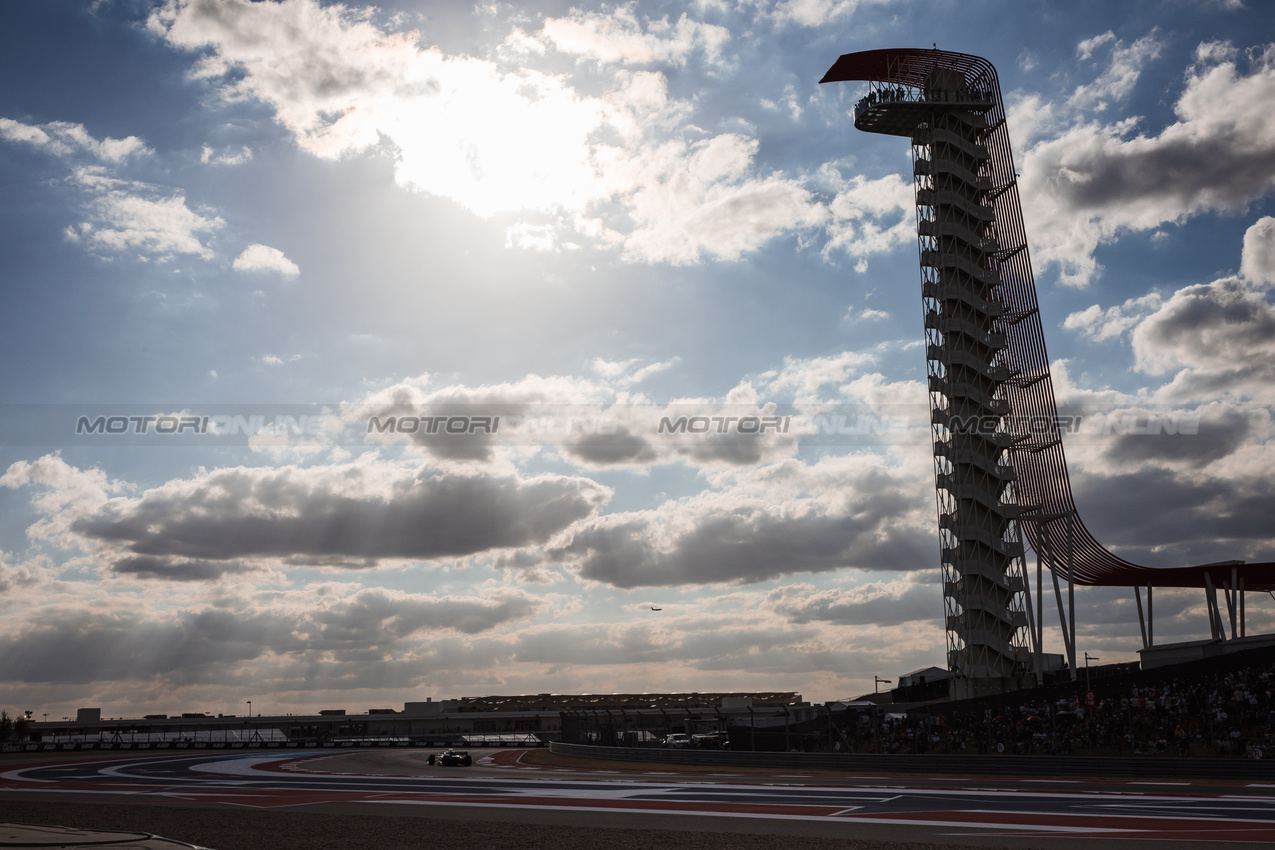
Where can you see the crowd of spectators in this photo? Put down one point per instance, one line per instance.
(1216, 714)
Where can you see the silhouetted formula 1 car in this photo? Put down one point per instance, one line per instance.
(451, 758)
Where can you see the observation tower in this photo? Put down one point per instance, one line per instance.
(999, 470)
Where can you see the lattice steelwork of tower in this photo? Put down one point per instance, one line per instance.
(1000, 471)
(946, 117)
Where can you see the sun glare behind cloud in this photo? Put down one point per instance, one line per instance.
(472, 141)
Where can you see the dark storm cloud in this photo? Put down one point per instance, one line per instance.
(325, 516)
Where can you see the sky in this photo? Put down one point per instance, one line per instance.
(237, 238)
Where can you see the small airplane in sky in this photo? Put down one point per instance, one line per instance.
(653, 608)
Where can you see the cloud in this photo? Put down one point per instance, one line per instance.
(377, 616)
(1211, 347)
(593, 423)
(773, 521)
(1219, 325)
(716, 645)
(276, 360)
(702, 199)
(623, 373)
(1085, 49)
(814, 13)
(17, 576)
(462, 128)
(1170, 517)
(1257, 263)
(66, 492)
(618, 168)
(1220, 337)
(869, 216)
(179, 569)
(259, 257)
(790, 102)
(1092, 182)
(883, 603)
(124, 215)
(1099, 324)
(1121, 75)
(531, 237)
(128, 215)
(804, 378)
(346, 516)
(65, 139)
(318, 629)
(93, 646)
(1220, 431)
(619, 447)
(1030, 117)
(617, 37)
(1217, 339)
(513, 403)
(210, 157)
(698, 432)
(867, 314)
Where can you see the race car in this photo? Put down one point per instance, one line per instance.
(451, 758)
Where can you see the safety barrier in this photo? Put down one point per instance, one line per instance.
(361, 743)
(1139, 767)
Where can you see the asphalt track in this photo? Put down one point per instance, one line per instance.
(968, 811)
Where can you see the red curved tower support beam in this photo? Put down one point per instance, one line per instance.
(1044, 488)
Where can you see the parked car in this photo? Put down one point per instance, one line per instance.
(677, 741)
(451, 758)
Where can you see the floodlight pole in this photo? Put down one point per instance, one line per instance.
(876, 711)
(1089, 658)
